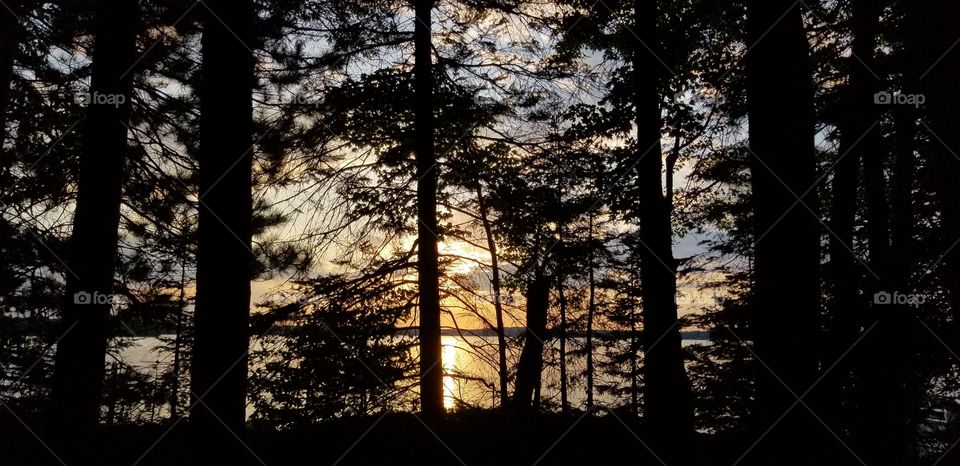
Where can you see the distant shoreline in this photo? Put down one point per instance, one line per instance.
(518, 331)
(510, 332)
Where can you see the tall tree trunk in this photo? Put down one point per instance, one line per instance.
(904, 159)
(883, 426)
(865, 84)
(847, 309)
(938, 20)
(901, 329)
(787, 257)
(940, 72)
(859, 142)
(667, 396)
(79, 363)
(428, 280)
(224, 258)
(531, 358)
(502, 369)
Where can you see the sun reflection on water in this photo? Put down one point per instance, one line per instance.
(449, 361)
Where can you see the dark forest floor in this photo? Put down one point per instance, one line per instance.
(482, 438)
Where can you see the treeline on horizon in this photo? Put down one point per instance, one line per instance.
(486, 164)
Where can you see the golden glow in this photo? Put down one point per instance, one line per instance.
(465, 256)
(449, 363)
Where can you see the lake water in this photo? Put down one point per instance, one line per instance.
(470, 369)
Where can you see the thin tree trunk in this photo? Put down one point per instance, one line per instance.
(904, 170)
(901, 195)
(865, 84)
(502, 369)
(847, 312)
(671, 164)
(561, 283)
(224, 258)
(111, 399)
(177, 340)
(902, 328)
(667, 396)
(564, 402)
(634, 369)
(431, 366)
(591, 312)
(531, 358)
(787, 258)
(79, 364)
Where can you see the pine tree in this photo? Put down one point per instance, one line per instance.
(786, 289)
(79, 370)
(224, 258)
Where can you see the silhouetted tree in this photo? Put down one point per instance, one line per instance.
(224, 258)
(847, 309)
(569, 154)
(883, 426)
(591, 312)
(939, 71)
(530, 366)
(79, 369)
(941, 68)
(496, 286)
(667, 404)
(787, 238)
(428, 281)
(337, 353)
